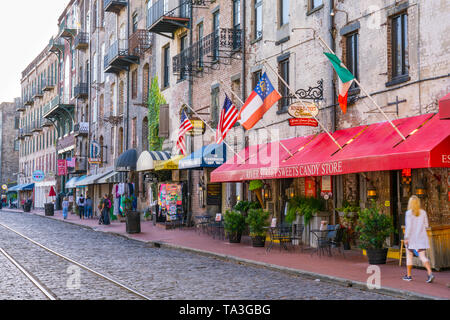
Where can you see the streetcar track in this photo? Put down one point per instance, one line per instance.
(40, 286)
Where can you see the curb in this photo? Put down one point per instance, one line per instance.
(311, 275)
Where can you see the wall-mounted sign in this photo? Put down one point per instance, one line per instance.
(38, 175)
(310, 187)
(199, 128)
(4, 187)
(94, 153)
(214, 194)
(295, 122)
(298, 110)
(325, 184)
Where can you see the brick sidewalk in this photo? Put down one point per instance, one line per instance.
(351, 269)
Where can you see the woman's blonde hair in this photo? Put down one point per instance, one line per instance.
(414, 205)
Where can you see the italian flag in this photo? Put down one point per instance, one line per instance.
(346, 80)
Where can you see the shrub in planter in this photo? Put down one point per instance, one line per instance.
(303, 206)
(348, 214)
(245, 206)
(234, 224)
(374, 227)
(257, 220)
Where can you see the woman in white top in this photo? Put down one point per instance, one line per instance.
(416, 238)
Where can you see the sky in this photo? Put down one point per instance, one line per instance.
(26, 27)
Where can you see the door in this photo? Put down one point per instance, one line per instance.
(396, 207)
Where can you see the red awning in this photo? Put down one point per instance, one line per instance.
(374, 147)
(444, 107)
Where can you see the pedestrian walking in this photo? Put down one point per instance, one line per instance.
(81, 204)
(106, 205)
(416, 238)
(88, 209)
(65, 207)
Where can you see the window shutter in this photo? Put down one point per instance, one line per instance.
(164, 121)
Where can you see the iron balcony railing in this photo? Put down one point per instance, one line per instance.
(81, 90)
(56, 45)
(48, 84)
(28, 100)
(36, 125)
(140, 42)
(82, 41)
(114, 5)
(117, 49)
(19, 105)
(209, 49)
(161, 9)
(81, 128)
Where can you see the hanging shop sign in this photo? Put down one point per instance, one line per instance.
(326, 187)
(199, 128)
(38, 175)
(213, 194)
(94, 153)
(295, 122)
(62, 167)
(303, 110)
(4, 187)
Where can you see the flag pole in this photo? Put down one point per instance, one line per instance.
(304, 106)
(367, 94)
(190, 108)
(264, 123)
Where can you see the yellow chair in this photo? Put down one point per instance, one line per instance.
(402, 252)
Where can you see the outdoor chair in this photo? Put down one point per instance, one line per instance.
(281, 234)
(297, 235)
(336, 242)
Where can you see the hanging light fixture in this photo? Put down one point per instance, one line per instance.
(371, 192)
(420, 189)
(267, 192)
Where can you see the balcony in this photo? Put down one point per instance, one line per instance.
(165, 22)
(56, 45)
(214, 48)
(118, 58)
(19, 105)
(114, 6)
(139, 42)
(82, 41)
(81, 129)
(25, 132)
(36, 126)
(81, 91)
(45, 123)
(38, 93)
(58, 108)
(48, 85)
(66, 30)
(28, 100)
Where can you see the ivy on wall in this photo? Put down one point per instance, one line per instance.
(155, 100)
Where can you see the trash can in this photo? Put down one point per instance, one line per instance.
(49, 209)
(133, 222)
(27, 207)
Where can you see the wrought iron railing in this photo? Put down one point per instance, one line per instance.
(81, 128)
(160, 9)
(82, 39)
(107, 3)
(224, 40)
(81, 90)
(139, 42)
(118, 48)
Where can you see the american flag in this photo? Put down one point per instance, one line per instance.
(228, 118)
(185, 126)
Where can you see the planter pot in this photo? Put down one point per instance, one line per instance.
(49, 209)
(258, 241)
(133, 222)
(347, 246)
(235, 237)
(377, 256)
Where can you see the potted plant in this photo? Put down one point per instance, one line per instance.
(257, 221)
(234, 224)
(349, 210)
(244, 206)
(147, 215)
(347, 215)
(374, 227)
(303, 206)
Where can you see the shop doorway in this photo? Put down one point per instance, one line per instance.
(396, 207)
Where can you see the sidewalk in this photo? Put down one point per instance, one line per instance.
(351, 270)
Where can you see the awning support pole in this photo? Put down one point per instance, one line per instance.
(304, 106)
(190, 108)
(263, 122)
(367, 94)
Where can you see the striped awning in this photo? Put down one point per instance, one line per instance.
(148, 160)
(171, 164)
(112, 177)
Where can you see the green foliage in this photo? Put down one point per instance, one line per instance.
(244, 206)
(348, 207)
(128, 203)
(303, 206)
(234, 222)
(255, 185)
(374, 227)
(257, 219)
(155, 100)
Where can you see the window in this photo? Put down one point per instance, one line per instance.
(166, 57)
(284, 12)
(121, 97)
(215, 107)
(183, 46)
(255, 78)
(145, 134)
(283, 69)
(134, 133)
(314, 4)
(258, 19)
(351, 56)
(399, 45)
(145, 83)
(200, 48)
(135, 22)
(134, 83)
(216, 30)
(236, 23)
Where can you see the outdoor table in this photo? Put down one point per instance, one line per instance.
(281, 234)
(202, 222)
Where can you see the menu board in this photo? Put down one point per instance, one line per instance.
(213, 194)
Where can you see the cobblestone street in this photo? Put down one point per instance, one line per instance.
(156, 272)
